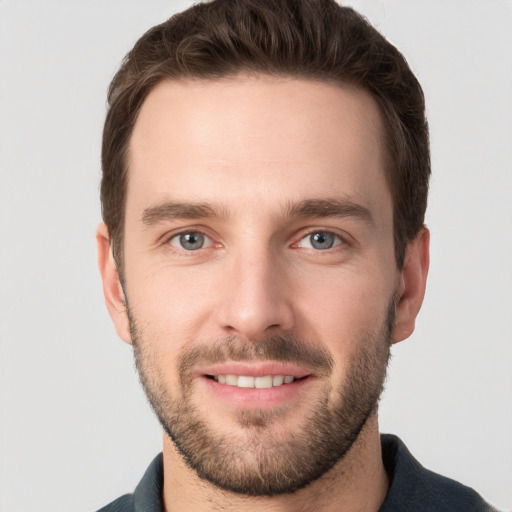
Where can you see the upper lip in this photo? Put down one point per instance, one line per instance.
(257, 369)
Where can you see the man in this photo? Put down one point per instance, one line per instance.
(265, 176)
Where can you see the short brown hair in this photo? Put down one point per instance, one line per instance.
(311, 39)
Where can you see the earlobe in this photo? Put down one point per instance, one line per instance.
(411, 289)
(112, 289)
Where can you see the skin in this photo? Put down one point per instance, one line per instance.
(251, 147)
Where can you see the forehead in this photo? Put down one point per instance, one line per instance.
(258, 140)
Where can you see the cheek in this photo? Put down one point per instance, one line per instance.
(335, 306)
(350, 320)
(343, 307)
(171, 304)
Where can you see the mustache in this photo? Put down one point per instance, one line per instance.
(285, 349)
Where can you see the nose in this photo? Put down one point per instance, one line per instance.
(256, 298)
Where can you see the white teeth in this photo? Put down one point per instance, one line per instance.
(232, 380)
(263, 382)
(277, 380)
(245, 381)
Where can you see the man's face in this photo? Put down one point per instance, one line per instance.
(259, 246)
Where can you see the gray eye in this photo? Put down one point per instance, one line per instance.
(321, 240)
(189, 241)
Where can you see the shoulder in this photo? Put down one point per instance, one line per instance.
(412, 487)
(123, 504)
(147, 496)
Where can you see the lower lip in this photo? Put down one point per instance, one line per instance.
(249, 398)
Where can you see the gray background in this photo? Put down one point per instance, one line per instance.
(75, 431)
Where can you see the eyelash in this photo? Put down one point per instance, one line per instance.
(188, 232)
(338, 240)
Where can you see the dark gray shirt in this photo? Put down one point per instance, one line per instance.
(412, 487)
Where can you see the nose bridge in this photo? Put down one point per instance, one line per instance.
(255, 300)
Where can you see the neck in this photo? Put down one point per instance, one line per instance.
(358, 483)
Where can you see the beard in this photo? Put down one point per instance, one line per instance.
(262, 460)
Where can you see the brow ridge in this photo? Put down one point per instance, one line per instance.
(330, 207)
(321, 208)
(175, 210)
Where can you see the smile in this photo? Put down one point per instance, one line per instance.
(247, 381)
(260, 385)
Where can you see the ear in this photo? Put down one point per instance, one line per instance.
(413, 280)
(112, 289)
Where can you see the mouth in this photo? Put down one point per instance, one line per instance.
(248, 381)
(261, 385)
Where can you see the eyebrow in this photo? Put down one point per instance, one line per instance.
(330, 207)
(320, 208)
(171, 210)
